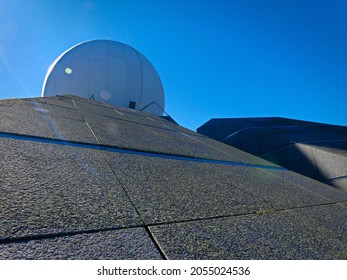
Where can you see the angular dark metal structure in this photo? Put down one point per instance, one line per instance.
(84, 180)
(313, 149)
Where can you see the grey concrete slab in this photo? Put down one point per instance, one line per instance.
(23, 122)
(41, 105)
(71, 130)
(166, 190)
(330, 165)
(334, 147)
(135, 136)
(307, 233)
(129, 244)
(49, 189)
(49, 118)
(134, 125)
(328, 192)
(339, 183)
(296, 157)
(114, 112)
(17, 102)
(131, 116)
(125, 114)
(64, 102)
(344, 204)
(57, 111)
(42, 123)
(300, 158)
(129, 135)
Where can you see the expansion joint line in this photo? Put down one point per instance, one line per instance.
(149, 233)
(27, 238)
(301, 187)
(255, 212)
(156, 243)
(73, 101)
(96, 138)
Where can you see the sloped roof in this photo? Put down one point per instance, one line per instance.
(83, 180)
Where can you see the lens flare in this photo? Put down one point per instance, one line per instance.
(68, 70)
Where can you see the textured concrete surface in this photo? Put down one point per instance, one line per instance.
(128, 115)
(340, 183)
(166, 190)
(335, 147)
(300, 158)
(75, 119)
(130, 135)
(50, 189)
(325, 164)
(64, 102)
(62, 201)
(46, 121)
(307, 233)
(329, 164)
(328, 192)
(127, 244)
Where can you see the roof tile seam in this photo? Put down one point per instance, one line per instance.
(55, 115)
(118, 110)
(104, 106)
(128, 111)
(68, 118)
(55, 105)
(93, 103)
(156, 243)
(27, 238)
(124, 189)
(255, 212)
(132, 151)
(74, 103)
(309, 191)
(228, 153)
(191, 137)
(129, 121)
(96, 138)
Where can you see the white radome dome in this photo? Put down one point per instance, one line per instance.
(107, 71)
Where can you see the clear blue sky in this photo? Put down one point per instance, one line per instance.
(233, 58)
